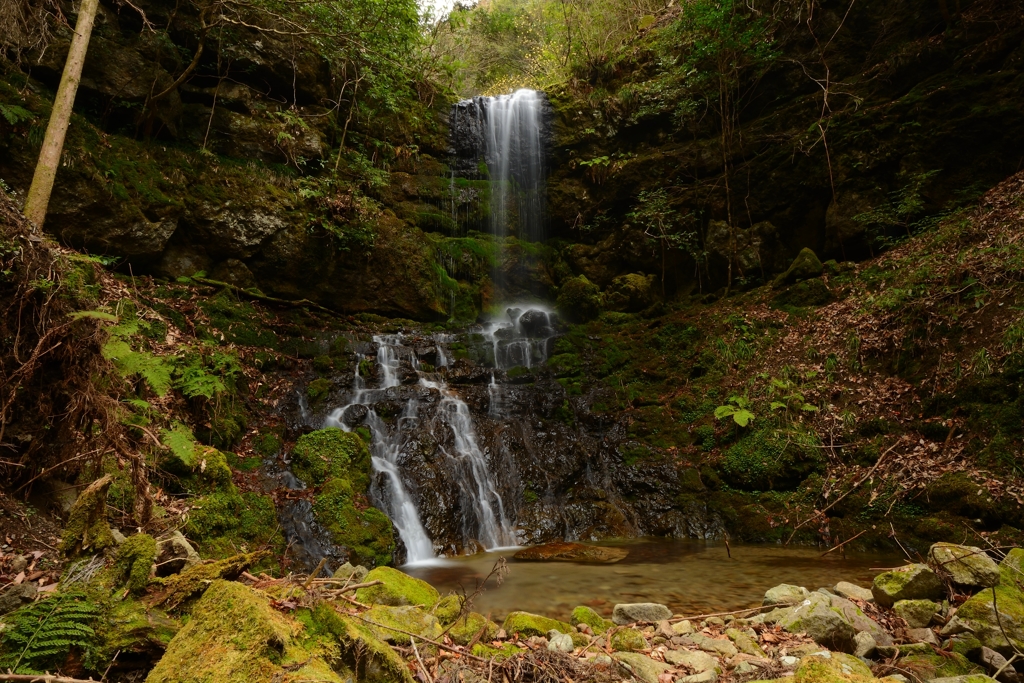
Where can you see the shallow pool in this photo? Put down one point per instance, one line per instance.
(691, 577)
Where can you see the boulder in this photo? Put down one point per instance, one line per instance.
(805, 266)
(831, 667)
(356, 574)
(387, 623)
(560, 642)
(526, 624)
(467, 628)
(641, 667)
(630, 293)
(628, 640)
(681, 628)
(853, 591)
(535, 323)
(697, 662)
(860, 621)
(995, 663)
(923, 635)
(561, 551)
(917, 613)
(965, 564)
(629, 613)
(785, 593)
(586, 615)
(826, 626)
(978, 614)
(397, 589)
(913, 582)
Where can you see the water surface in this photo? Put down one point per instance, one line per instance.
(691, 577)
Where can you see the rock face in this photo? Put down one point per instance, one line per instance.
(629, 613)
(916, 581)
(966, 565)
(571, 552)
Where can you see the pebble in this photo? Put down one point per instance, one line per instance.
(788, 660)
(560, 642)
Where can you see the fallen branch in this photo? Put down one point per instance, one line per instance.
(735, 611)
(457, 651)
(837, 547)
(295, 303)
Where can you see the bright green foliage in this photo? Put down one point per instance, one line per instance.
(326, 453)
(181, 442)
(135, 558)
(224, 523)
(154, 370)
(769, 459)
(38, 637)
(738, 408)
(366, 533)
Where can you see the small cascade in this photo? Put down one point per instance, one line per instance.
(524, 339)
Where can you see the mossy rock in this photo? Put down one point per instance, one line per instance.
(134, 562)
(585, 615)
(630, 293)
(87, 529)
(225, 523)
(917, 613)
(317, 390)
(467, 628)
(362, 649)
(388, 623)
(913, 582)
(979, 612)
(178, 589)
(234, 636)
(628, 640)
(925, 666)
(805, 266)
(447, 609)
(526, 624)
(331, 453)
(835, 668)
(130, 628)
(498, 654)
(770, 459)
(579, 299)
(397, 589)
(368, 534)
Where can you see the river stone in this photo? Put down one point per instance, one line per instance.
(388, 622)
(859, 620)
(915, 581)
(966, 565)
(978, 614)
(744, 643)
(628, 639)
(681, 628)
(641, 667)
(357, 573)
(720, 646)
(560, 551)
(705, 677)
(864, 645)
(586, 615)
(527, 624)
(923, 635)
(817, 618)
(917, 613)
(853, 591)
(694, 661)
(560, 642)
(628, 613)
(784, 593)
(825, 666)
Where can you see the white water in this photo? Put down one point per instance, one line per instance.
(513, 345)
(485, 520)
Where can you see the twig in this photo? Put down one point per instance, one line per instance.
(837, 547)
(313, 574)
(423, 666)
(425, 639)
(735, 611)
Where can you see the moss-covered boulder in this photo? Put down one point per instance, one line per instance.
(832, 667)
(913, 582)
(361, 648)
(917, 613)
(966, 565)
(805, 266)
(447, 609)
(226, 522)
(234, 636)
(628, 640)
(394, 624)
(134, 630)
(630, 293)
(471, 626)
(586, 615)
(579, 299)
(526, 624)
(817, 618)
(979, 612)
(178, 589)
(397, 589)
(367, 533)
(134, 561)
(331, 453)
(924, 666)
(87, 529)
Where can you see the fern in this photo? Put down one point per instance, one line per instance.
(39, 637)
(181, 442)
(15, 114)
(155, 371)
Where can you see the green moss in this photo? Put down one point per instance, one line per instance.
(579, 299)
(838, 668)
(326, 453)
(496, 653)
(367, 533)
(228, 522)
(129, 627)
(448, 609)
(267, 444)
(238, 321)
(769, 459)
(397, 589)
(234, 636)
(317, 390)
(177, 589)
(526, 624)
(363, 650)
(87, 529)
(628, 640)
(467, 628)
(585, 615)
(928, 665)
(135, 558)
(388, 622)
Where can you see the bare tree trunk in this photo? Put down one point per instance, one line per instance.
(53, 143)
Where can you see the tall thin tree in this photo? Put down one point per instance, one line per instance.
(53, 143)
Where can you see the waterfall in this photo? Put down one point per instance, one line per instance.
(485, 520)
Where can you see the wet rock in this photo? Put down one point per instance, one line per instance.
(427, 354)
(571, 552)
(694, 661)
(917, 613)
(535, 323)
(853, 591)
(826, 626)
(560, 642)
(864, 645)
(805, 266)
(784, 593)
(966, 565)
(629, 613)
(17, 596)
(641, 667)
(916, 581)
(354, 415)
(175, 554)
(465, 372)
